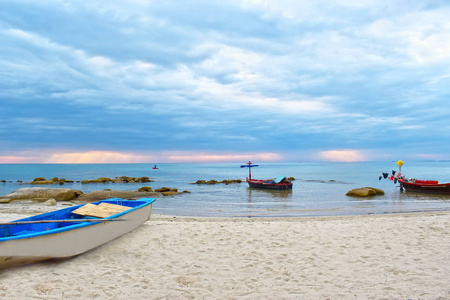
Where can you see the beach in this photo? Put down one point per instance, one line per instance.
(392, 256)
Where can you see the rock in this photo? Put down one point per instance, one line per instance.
(169, 193)
(365, 192)
(378, 191)
(162, 190)
(143, 179)
(39, 179)
(213, 181)
(50, 202)
(104, 179)
(41, 194)
(145, 189)
(200, 182)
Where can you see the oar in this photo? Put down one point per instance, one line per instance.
(59, 221)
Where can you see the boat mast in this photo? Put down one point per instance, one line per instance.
(249, 169)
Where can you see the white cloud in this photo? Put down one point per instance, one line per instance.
(337, 72)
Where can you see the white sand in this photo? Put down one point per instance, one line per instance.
(402, 256)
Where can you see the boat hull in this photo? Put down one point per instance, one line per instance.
(263, 184)
(443, 188)
(71, 240)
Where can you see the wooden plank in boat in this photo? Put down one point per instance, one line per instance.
(102, 210)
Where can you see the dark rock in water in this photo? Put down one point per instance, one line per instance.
(163, 189)
(145, 189)
(41, 194)
(169, 193)
(200, 182)
(213, 181)
(365, 192)
(39, 179)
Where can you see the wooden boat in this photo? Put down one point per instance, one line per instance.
(424, 186)
(279, 183)
(416, 185)
(70, 231)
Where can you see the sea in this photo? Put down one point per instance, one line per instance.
(319, 188)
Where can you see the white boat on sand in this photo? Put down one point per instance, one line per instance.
(70, 231)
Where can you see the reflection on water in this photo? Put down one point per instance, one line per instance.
(255, 195)
(422, 196)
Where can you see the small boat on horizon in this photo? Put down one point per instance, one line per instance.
(279, 183)
(417, 185)
(155, 167)
(70, 231)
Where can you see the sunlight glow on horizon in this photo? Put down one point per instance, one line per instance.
(342, 155)
(101, 157)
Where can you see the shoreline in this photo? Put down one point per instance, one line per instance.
(379, 256)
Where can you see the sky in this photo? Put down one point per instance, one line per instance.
(161, 81)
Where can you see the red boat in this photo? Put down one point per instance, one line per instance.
(424, 186)
(279, 183)
(416, 185)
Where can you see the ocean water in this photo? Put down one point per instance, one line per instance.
(319, 188)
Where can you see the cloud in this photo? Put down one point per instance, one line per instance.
(222, 157)
(100, 157)
(146, 77)
(342, 155)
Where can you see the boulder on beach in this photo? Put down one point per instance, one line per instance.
(41, 194)
(365, 192)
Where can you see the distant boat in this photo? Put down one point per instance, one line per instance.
(69, 231)
(155, 167)
(417, 185)
(279, 183)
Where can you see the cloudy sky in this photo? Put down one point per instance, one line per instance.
(210, 81)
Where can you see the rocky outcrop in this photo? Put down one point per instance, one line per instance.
(213, 181)
(145, 189)
(54, 180)
(41, 194)
(365, 192)
(60, 194)
(122, 179)
(162, 190)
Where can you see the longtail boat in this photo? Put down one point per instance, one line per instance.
(279, 183)
(417, 185)
(70, 231)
